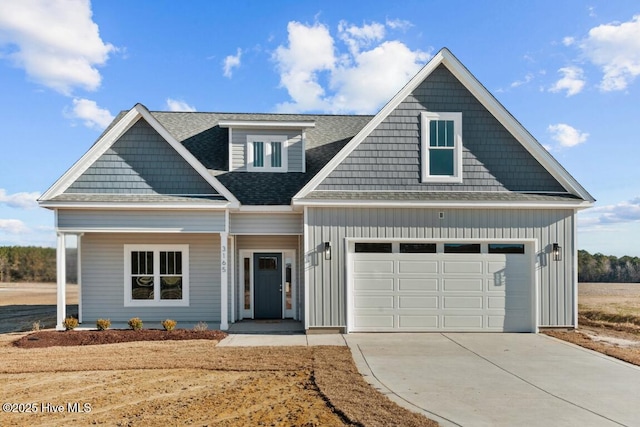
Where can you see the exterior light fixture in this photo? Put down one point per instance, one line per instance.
(327, 251)
(556, 252)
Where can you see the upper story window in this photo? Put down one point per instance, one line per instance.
(441, 140)
(267, 153)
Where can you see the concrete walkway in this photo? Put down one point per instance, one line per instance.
(499, 379)
(261, 340)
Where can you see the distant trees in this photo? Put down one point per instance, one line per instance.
(607, 268)
(27, 264)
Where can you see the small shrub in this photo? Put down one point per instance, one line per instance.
(70, 323)
(35, 326)
(103, 324)
(201, 326)
(135, 323)
(169, 324)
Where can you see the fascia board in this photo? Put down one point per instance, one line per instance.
(136, 206)
(93, 154)
(440, 204)
(265, 208)
(186, 154)
(266, 124)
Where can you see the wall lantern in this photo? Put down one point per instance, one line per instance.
(556, 251)
(327, 251)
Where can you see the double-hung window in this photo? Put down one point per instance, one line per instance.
(267, 153)
(156, 275)
(441, 138)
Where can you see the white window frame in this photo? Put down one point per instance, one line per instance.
(426, 117)
(156, 302)
(267, 140)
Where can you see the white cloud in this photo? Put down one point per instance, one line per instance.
(319, 77)
(623, 212)
(399, 24)
(19, 200)
(56, 42)
(524, 81)
(179, 105)
(615, 48)
(568, 41)
(91, 115)
(231, 62)
(13, 226)
(572, 81)
(566, 135)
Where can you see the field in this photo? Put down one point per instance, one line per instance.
(179, 382)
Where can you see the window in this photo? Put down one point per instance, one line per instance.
(156, 275)
(461, 248)
(383, 248)
(506, 248)
(267, 153)
(441, 147)
(417, 248)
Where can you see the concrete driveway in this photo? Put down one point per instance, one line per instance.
(500, 379)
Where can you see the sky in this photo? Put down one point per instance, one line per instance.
(567, 70)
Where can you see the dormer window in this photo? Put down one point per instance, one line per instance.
(441, 147)
(266, 153)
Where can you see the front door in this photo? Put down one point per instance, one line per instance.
(267, 283)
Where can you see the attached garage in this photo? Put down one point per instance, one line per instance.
(441, 286)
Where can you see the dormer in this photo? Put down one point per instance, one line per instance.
(266, 146)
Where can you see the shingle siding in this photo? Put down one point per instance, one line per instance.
(141, 162)
(389, 158)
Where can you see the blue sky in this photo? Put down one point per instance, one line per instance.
(568, 71)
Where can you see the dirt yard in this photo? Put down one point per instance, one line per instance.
(189, 382)
(608, 320)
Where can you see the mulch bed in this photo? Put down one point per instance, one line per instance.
(111, 336)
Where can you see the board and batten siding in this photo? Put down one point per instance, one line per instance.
(261, 223)
(257, 242)
(327, 279)
(295, 147)
(199, 221)
(103, 278)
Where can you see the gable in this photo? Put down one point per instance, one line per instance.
(141, 161)
(388, 159)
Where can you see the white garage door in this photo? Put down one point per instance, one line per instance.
(460, 287)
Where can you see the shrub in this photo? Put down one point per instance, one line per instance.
(70, 323)
(103, 324)
(35, 326)
(201, 326)
(169, 324)
(135, 323)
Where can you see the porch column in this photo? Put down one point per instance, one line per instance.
(224, 283)
(61, 261)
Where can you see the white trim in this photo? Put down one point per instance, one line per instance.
(109, 138)
(232, 276)
(425, 148)
(574, 254)
(267, 141)
(244, 313)
(79, 273)
(532, 245)
(143, 206)
(444, 56)
(72, 230)
(61, 281)
(580, 204)
(306, 266)
(266, 208)
(304, 151)
(249, 124)
(224, 283)
(156, 249)
(230, 149)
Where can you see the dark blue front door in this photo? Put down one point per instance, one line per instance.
(267, 285)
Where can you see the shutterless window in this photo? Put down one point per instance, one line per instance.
(383, 248)
(258, 154)
(417, 248)
(461, 248)
(506, 248)
(276, 154)
(441, 147)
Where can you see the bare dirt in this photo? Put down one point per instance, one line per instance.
(608, 320)
(155, 381)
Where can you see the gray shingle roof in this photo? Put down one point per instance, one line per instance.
(440, 196)
(136, 198)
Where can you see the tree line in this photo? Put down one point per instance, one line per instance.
(33, 264)
(607, 268)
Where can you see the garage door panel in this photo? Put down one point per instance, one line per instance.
(409, 267)
(496, 303)
(418, 284)
(373, 266)
(418, 322)
(374, 284)
(496, 266)
(405, 302)
(462, 322)
(462, 285)
(462, 267)
(374, 322)
(463, 302)
(370, 301)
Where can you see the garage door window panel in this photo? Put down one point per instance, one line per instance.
(461, 248)
(506, 248)
(380, 248)
(417, 248)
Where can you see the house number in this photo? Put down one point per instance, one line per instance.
(223, 258)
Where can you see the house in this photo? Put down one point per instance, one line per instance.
(439, 213)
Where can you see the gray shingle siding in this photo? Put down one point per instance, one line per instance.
(389, 158)
(141, 162)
